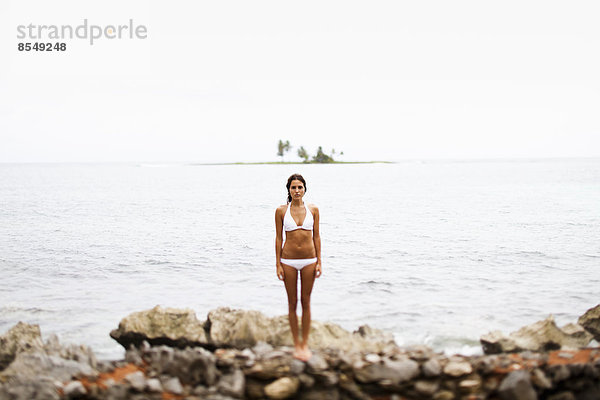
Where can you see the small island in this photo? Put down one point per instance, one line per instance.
(320, 157)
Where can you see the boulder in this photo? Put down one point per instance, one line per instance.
(517, 386)
(242, 328)
(394, 371)
(540, 336)
(169, 326)
(282, 388)
(19, 338)
(591, 321)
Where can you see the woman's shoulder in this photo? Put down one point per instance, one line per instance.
(281, 209)
(313, 208)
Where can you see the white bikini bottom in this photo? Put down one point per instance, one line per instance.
(298, 263)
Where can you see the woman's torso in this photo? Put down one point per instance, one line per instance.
(298, 242)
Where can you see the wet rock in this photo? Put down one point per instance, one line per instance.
(517, 386)
(432, 367)
(282, 388)
(458, 368)
(19, 338)
(232, 384)
(170, 326)
(540, 336)
(590, 320)
(74, 389)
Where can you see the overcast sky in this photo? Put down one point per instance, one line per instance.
(218, 81)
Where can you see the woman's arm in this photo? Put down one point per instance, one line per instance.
(317, 241)
(278, 242)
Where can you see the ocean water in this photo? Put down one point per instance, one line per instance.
(437, 252)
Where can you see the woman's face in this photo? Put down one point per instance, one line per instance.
(296, 189)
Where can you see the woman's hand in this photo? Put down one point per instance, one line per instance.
(318, 270)
(279, 272)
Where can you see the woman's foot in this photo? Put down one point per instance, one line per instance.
(305, 353)
(298, 353)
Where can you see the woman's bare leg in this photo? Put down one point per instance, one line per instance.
(307, 278)
(290, 278)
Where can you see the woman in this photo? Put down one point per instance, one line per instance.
(300, 254)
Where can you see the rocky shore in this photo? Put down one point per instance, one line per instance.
(237, 354)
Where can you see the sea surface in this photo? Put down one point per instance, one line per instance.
(438, 252)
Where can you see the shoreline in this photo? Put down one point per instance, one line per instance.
(243, 354)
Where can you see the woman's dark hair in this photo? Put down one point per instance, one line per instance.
(289, 182)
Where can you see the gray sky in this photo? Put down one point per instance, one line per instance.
(224, 80)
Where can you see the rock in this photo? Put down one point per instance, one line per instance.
(19, 338)
(316, 363)
(273, 365)
(394, 371)
(297, 367)
(319, 394)
(74, 389)
(192, 365)
(590, 320)
(32, 366)
(348, 385)
(154, 385)
(540, 379)
(496, 342)
(458, 368)
(578, 333)
(471, 385)
(242, 328)
(443, 395)
(427, 388)
(173, 385)
(35, 389)
(137, 380)
(540, 336)
(282, 388)
(170, 326)
(562, 396)
(374, 335)
(517, 386)
(232, 384)
(432, 367)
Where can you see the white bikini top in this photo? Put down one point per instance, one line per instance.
(290, 225)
